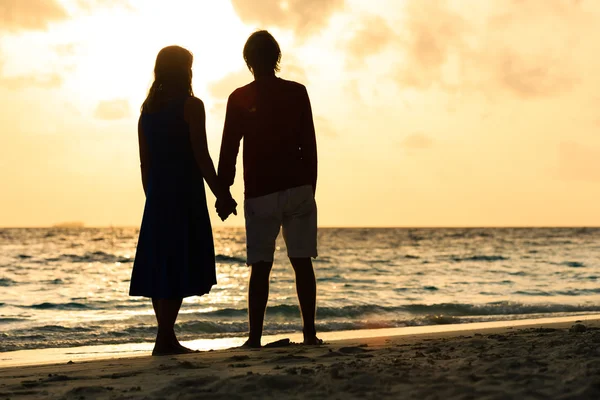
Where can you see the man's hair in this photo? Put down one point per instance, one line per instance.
(262, 53)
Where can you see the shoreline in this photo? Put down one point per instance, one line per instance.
(531, 359)
(57, 356)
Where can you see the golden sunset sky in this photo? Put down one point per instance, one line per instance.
(428, 113)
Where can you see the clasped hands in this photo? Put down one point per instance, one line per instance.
(226, 206)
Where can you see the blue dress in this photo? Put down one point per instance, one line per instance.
(175, 255)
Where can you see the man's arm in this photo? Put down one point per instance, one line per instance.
(230, 144)
(309, 139)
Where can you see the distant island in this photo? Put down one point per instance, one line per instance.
(76, 224)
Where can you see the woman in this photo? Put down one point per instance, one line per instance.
(175, 253)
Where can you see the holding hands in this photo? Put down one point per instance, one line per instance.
(226, 206)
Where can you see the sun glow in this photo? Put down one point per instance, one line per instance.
(116, 52)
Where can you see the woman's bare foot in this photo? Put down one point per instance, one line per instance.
(310, 337)
(176, 343)
(171, 350)
(251, 344)
(313, 341)
(186, 350)
(167, 345)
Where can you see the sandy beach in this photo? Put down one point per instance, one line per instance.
(559, 360)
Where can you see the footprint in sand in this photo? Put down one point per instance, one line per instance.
(353, 350)
(90, 392)
(332, 353)
(289, 358)
(239, 358)
(119, 375)
(180, 364)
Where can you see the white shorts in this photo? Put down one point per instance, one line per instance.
(293, 209)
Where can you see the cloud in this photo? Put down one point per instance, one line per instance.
(373, 35)
(91, 5)
(41, 80)
(67, 49)
(520, 47)
(221, 89)
(17, 15)
(111, 110)
(578, 163)
(291, 69)
(324, 128)
(417, 141)
(45, 81)
(24, 15)
(304, 17)
(533, 77)
(433, 33)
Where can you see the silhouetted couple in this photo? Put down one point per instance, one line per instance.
(175, 254)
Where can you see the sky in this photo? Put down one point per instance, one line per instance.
(428, 112)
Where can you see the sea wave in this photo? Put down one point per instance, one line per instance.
(572, 292)
(574, 264)
(479, 258)
(280, 319)
(5, 282)
(52, 336)
(10, 320)
(450, 309)
(222, 258)
(49, 336)
(89, 257)
(358, 311)
(59, 306)
(78, 306)
(498, 308)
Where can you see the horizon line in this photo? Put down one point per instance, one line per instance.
(83, 226)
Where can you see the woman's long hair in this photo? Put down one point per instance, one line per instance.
(172, 78)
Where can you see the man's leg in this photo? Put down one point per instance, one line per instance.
(263, 222)
(300, 234)
(258, 296)
(306, 288)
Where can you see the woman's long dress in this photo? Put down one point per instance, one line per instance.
(175, 253)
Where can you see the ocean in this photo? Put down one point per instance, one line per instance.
(64, 287)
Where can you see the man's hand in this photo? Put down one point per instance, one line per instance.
(226, 207)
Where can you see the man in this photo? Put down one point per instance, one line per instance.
(274, 118)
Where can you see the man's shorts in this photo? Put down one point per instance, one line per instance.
(293, 209)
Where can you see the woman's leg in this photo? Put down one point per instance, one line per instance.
(166, 311)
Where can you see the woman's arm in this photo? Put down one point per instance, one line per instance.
(144, 155)
(195, 117)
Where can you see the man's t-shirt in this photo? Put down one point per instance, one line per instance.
(274, 118)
